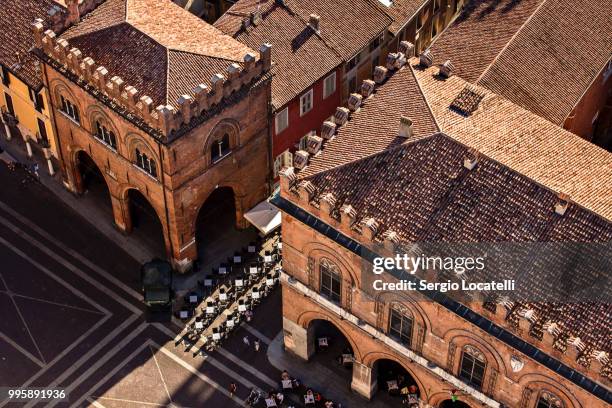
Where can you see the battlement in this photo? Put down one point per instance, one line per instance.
(165, 118)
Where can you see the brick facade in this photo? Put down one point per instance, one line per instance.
(185, 174)
(438, 335)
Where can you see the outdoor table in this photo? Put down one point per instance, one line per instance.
(270, 402)
(193, 299)
(392, 385)
(210, 310)
(207, 282)
(251, 249)
(222, 270)
(237, 259)
(287, 384)
(269, 282)
(279, 245)
(184, 314)
(309, 399)
(199, 325)
(239, 283)
(347, 359)
(267, 258)
(253, 270)
(242, 308)
(322, 341)
(223, 296)
(255, 294)
(216, 336)
(229, 322)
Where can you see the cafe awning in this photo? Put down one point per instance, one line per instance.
(264, 216)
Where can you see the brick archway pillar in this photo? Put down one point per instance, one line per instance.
(364, 380)
(121, 213)
(298, 340)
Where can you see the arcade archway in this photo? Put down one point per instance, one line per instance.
(395, 385)
(331, 348)
(146, 225)
(91, 184)
(449, 403)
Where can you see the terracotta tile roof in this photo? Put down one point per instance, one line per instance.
(375, 126)
(525, 142)
(423, 192)
(154, 46)
(301, 57)
(542, 55)
(479, 34)
(19, 15)
(346, 25)
(401, 11)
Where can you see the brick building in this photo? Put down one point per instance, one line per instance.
(423, 156)
(323, 51)
(162, 107)
(551, 57)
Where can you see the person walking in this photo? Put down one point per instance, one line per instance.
(256, 343)
(232, 389)
(246, 341)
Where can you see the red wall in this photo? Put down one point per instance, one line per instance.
(299, 126)
(580, 121)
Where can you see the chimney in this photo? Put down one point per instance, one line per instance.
(405, 128)
(471, 159)
(256, 17)
(74, 15)
(426, 59)
(446, 69)
(562, 203)
(314, 23)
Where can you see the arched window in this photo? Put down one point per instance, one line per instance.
(69, 109)
(105, 135)
(146, 163)
(220, 148)
(401, 323)
(473, 364)
(331, 282)
(548, 400)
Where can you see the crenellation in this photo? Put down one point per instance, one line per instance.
(101, 77)
(348, 216)
(88, 67)
(115, 86)
(370, 228)
(306, 191)
(300, 159)
(265, 55)
(48, 42)
(200, 93)
(217, 82)
(130, 97)
(327, 204)
(287, 179)
(314, 144)
(75, 57)
(61, 51)
(186, 106)
(38, 29)
(146, 109)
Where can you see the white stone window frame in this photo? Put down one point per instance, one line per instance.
(330, 79)
(281, 115)
(306, 102)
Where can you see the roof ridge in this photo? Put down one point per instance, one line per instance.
(369, 156)
(510, 41)
(423, 96)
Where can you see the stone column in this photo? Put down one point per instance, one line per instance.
(47, 153)
(26, 140)
(7, 129)
(121, 213)
(298, 340)
(364, 380)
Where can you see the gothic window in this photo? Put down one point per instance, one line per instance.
(146, 163)
(401, 324)
(69, 109)
(330, 281)
(547, 400)
(473, 364)
(105, 135)
(220, 148)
